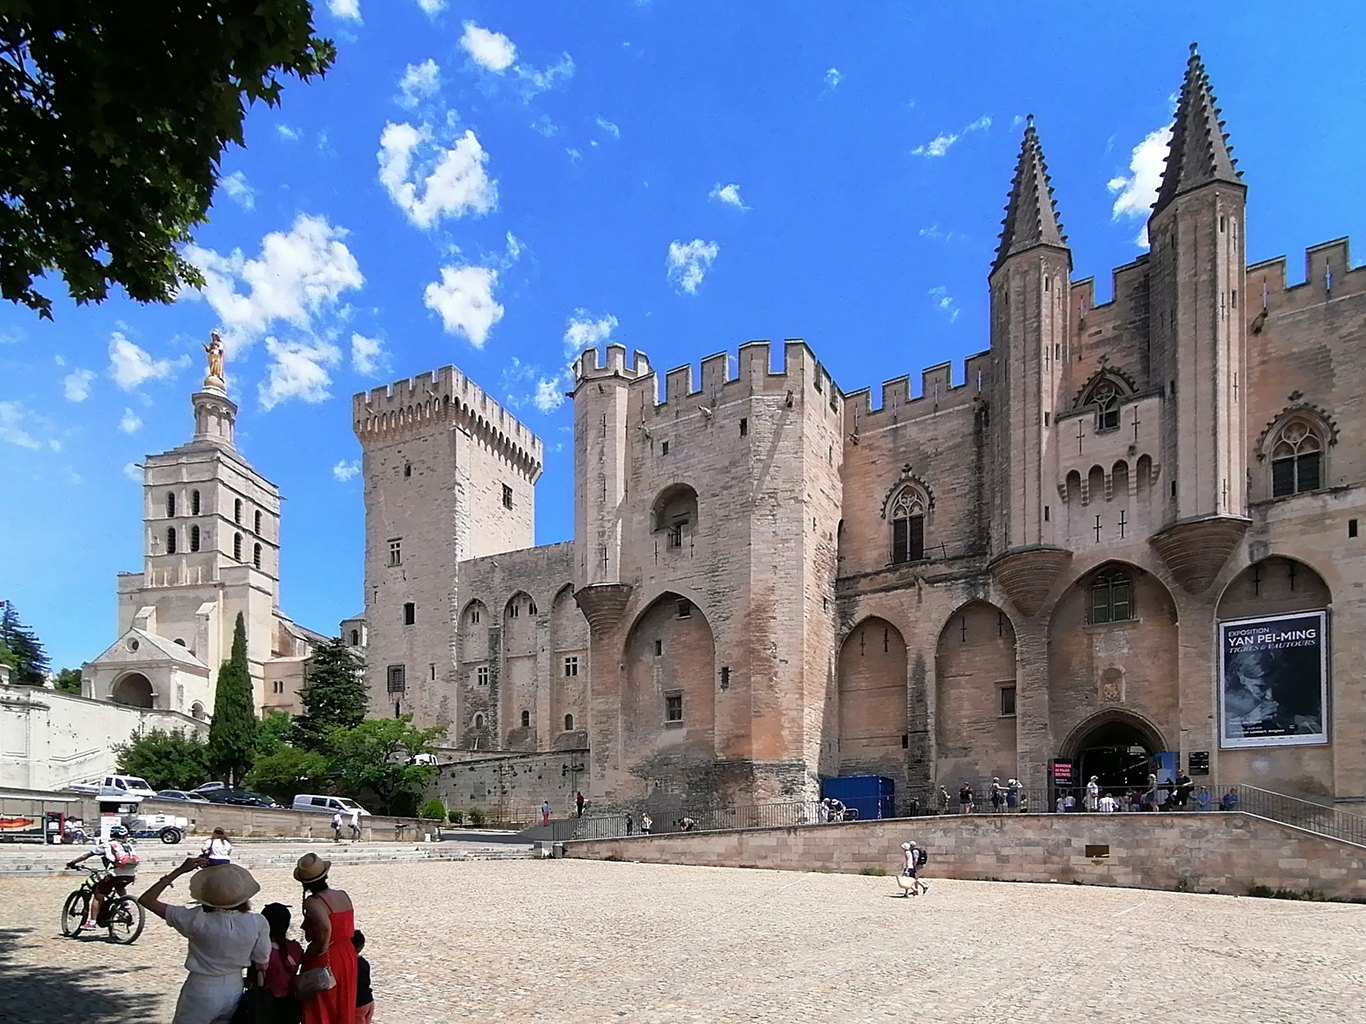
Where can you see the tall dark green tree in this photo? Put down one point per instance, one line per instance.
(334, 695)
(232, 733)
(114, 115)
(22, 650)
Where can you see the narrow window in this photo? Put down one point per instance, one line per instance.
(725, 677)
(1007, 701)
(514, 610)
(194, 538)
(396, 710)
(531, 607)
(526, 719)
(507, 496)
(905, 741)
(237, 547)
(237, 511)
(663, 447)
(571, 666)
(194, 503)
(908, 527)
(398, 682)
(744, 426)
(685, 609)
(396, 551)
(355, 638)
(1045, 513)
(1351, 527)
(256, 555)
(568, 723)
(170, 506)
(432, 668)
(481, 675)
(409, 613)
(659, 648)
(479, 721)
(256, 524)
(170, 541)
(673, 707)
(1106, 399)
(1296, 460)
(474, 616)
(407, 469)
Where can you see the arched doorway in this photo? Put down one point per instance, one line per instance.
(872, 700)
(975, 673)
(1117, 747)
(133, 690)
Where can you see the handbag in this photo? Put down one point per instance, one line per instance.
(313, 981)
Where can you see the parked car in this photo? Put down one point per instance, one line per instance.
(240, 797)
(328, 804)
(180, 794)
(127, 784)
(169, 828)
(209, 787)
(84, 789)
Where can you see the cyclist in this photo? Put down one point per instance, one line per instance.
(121, 863)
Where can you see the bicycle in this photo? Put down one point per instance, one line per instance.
(121, 914)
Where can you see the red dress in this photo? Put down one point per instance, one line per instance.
(338, 1004)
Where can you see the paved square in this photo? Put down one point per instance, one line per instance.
(580, 941)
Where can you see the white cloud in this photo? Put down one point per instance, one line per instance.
(297, 370)
(238, 190)
(418, 82)
(546, 127)
(833, 77)
(287, 133)
(344, 471)
(11, 415)
(131, 365)
(729, 194)
(944, 302)
(584, 330)
(688, 263)
(464, 299)
(550, 391)
(298, 275)
(490, 50)
(574, 155)
(432, 8)
(457, 184)
(609, 127)
(1136, 193)
(941, 143)
(347, 9)
(76, 385)
(133, 472)
(368, 357)
(130, 423)
(534, 82)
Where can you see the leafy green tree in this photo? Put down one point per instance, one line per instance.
(26, 656)
(334, 695)
(272, 733)
(289, 770)
(167, 760)
(232, 733)
(434, 808)
(69, 681)
(113, 120)
(375, 755)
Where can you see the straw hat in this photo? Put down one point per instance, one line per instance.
(311, 867)
(223, 886)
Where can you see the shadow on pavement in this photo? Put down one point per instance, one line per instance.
(51, 993)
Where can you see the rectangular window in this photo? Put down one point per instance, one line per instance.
(673, 707)
(744, 427)
(396, 551)
(1351, 527)
(675, 535)
(432, 667)
(571, 666)
(1007, 700)
(1282, 477)
(1308, 472)
(685, 609)
(663, 447)
(725, 677)
(397, 679)
(659, 648)
(908, 539)
(409, 613)
(1045, 513)
(507, 496)
(481, 675)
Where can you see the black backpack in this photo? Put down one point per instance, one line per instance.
(921, 857)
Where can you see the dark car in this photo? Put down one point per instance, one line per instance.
(239, 796)
(181, 795)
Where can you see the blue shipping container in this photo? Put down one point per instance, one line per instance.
(873, 796)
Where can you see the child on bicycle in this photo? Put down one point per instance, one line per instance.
(121, 863)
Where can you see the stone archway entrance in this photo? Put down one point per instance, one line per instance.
(1118, 748)
(133, 690)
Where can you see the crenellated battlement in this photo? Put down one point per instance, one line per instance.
(1328, 275)
(444, 396)
(590, 365)
(752, 373)
(937, 394)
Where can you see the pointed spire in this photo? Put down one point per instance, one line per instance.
(1200, 152)
(1031, 215)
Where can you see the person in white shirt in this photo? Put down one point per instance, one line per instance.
(224, 937)
(355, 823)
(336, 827)
(1093, 793)
(122, 864)
(218, 850)
(1108, 804)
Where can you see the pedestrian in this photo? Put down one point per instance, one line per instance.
(545, 813)
(336, 827)
(685, 824)
(217, 850)
(943, 800)
(913, 858)
(355, 824)
(1202, 799)
(1093, 794)
(285, 957)
(965, 799)
(1012, 794)
(578, 801)
(998, 796)
(1060, 805)
(630, 823)
(365, 997)
(823, 811)
(646, 823)
(1069, 803)
(225, 937)
(1150, 796)
(1184, 786)
(329, 920)
(1229, 801)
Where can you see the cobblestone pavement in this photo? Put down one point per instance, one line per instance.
(583, 941)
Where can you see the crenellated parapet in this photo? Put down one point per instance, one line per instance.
(1328, 275)
(445, 397)
(938, 393)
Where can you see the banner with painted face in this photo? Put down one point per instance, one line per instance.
(1273, 675)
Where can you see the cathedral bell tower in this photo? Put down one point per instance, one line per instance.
(1029, 342)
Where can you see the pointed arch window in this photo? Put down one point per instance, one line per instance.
(1112, 597)
(1296, 459)
(194, 537)
(908, 526)
(194, 503)
(237, 546)
(1106, 399)
(170, 506)
(170, 541)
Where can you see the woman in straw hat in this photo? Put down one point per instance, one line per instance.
(329, 920)
(225, 937)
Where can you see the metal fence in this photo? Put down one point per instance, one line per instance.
(1305, 814)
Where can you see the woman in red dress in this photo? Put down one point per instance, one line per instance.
(329, 921)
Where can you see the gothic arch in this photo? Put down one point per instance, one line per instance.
(668, 703)
(133, 690)
(873, 700)
(1118, 380)
(1078, 739)
(975, 662)
(907, 480)
(1312, 415)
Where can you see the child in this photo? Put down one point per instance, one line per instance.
(285, 957)
(218, 850)
(365, 999)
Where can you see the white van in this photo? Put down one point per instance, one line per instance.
(128, 784)
(327, 804)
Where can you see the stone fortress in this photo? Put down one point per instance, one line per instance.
(1124, 535)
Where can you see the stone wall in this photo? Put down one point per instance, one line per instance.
(263, 822)
(1213, 852)
(512, 787)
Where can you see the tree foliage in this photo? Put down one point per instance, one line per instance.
(167, 760)
(334, 696)
(375, 754)
(113, 119)
(272, 733)
(20, 648)
(288, 771)
(232, 733)
(68, 681)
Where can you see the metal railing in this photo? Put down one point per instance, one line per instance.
(1305, 814)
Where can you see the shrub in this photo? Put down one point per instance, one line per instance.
(434, 808)
(879, 872)
(476, 817)
(455, 817)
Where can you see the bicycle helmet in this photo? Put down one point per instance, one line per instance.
(118, 832)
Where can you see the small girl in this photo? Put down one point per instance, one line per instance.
(365, 998)
(218, 850)
(285, 957)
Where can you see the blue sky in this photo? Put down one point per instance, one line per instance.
(487, 184)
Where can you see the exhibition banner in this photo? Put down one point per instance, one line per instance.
(1273, 674)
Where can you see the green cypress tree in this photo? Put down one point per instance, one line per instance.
(232, 734)
(25, 652)
(334, 696)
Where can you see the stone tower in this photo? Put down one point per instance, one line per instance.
(449, 475)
